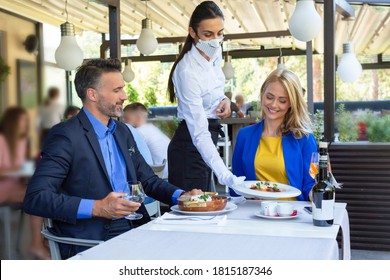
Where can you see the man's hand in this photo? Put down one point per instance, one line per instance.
(223, 110)
(114, 206)
(193, 192)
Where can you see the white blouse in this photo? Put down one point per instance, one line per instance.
(199, 88)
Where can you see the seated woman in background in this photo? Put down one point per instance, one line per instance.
(14, 126)
(279, 147)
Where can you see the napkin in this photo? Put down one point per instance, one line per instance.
(237, 199)
(172, 219)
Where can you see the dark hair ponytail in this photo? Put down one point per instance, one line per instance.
(205, 10)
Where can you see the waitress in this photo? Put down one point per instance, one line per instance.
(197, 82)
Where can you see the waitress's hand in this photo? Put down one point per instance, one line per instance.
(223, 110)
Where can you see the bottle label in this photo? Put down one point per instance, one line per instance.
(325, 212)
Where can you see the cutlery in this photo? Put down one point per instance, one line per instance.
(194, 218)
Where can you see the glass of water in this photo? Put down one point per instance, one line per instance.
(135, 193)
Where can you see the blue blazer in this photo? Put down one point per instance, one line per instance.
(72, 167)
(296, 152)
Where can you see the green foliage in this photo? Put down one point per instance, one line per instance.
(378, 128)
(176, 122)
(4, 70)
(132, 93)
(346, 125)
(256, 105)
(150, 97)
(168, 127)
(318, 125)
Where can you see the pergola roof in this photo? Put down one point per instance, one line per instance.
(370, 31)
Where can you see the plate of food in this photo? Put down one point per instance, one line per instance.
(265, 189)
(260, 214)
(204, 204)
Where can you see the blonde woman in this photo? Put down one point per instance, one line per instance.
(279, 147)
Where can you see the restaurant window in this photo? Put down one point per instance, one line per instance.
(363, 107)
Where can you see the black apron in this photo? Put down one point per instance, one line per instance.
(187, 169)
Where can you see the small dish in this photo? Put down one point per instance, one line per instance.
(295, 214)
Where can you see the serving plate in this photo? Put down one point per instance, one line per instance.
(286, 190)
(229, 207)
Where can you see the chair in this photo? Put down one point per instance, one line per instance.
(158, 169)
(5, 214)
(226, 144)
(153, 207)
(54, 240)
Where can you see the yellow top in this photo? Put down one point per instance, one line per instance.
(269, 161)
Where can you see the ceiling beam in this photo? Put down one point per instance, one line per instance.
(113, 3)
(173, 40)
(234, 53)
(342, 7)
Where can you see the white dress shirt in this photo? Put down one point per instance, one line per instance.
(157, 143)
(200, 89)
(141, 144)
(50, 115)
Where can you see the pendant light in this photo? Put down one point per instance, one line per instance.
(227, 68)
(349, 68)
(68, 54)
(128, 73)
(280, 58)
(147, 42)
(305, 23)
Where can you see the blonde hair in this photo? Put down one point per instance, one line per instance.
(297, 119)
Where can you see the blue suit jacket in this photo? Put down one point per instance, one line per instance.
(296, 152)
(72, 167)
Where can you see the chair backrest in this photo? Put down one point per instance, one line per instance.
(158, 169)
(226, 144)
(54, 240)
(153, 207)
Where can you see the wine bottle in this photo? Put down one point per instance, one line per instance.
(323, 192)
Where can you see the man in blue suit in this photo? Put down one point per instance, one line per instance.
(85, 163)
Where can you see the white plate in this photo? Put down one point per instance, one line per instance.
(229, 207)
(260, 214)
(287, 191)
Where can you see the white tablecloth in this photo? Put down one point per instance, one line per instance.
(244, 236)
(142, 244)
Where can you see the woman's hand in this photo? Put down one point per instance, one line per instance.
(223, 110)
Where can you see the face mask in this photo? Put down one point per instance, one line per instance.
(210, 47)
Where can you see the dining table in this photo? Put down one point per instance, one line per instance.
(241, 234)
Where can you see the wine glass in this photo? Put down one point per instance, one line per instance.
(314, 165)
(135, 193)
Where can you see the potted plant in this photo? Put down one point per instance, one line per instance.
(256, 112)
(346, 125)
(378, 128)
(4, 70)
(318, 125)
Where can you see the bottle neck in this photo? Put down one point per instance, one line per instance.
(322, 174)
